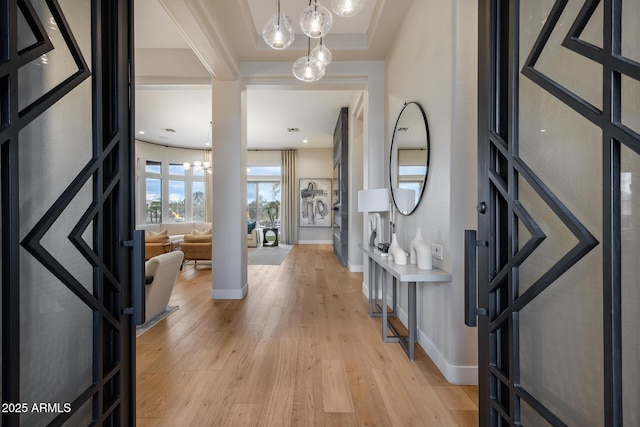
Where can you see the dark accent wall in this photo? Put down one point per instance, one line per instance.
(341, 186)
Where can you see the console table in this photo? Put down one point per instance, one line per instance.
(409, 273)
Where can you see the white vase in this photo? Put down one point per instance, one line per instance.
(412, 246)
(398, 255)
(423, 255)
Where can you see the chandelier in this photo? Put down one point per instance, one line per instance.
(199, 165)
(202, 165)
(315, 22)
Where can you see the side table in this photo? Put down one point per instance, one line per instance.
(274, 232)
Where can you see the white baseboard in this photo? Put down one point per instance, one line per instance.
(315, 242)
(458, 375)
(231, 293)
(355, 268)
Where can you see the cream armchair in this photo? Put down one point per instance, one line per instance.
(254, 239)
(161, 272)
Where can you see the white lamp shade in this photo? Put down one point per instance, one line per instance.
(405, 199)
(373, 200)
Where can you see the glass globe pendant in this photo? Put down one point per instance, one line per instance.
(308, 68)
(322, 54)
(316, 20)
(347, 8)
(277, 31)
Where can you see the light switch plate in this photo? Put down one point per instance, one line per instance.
(436, 251)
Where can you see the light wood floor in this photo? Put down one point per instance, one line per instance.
(299, 350)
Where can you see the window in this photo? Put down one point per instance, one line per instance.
(197, 201)
(176, 201)
(172, 194)
(263, 195)
(154, 200)
(153, 167)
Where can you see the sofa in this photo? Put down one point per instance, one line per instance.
(160, 273)
(166, 237)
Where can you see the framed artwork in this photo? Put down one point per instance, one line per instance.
(315, 202)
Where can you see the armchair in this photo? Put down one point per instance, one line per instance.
(161, 271)
(197, 247)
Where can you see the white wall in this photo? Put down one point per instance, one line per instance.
(438, 70)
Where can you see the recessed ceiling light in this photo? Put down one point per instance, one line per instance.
(141, 132)
(208, 143)
(304, 141)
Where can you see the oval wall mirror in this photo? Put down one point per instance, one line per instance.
(409, 158)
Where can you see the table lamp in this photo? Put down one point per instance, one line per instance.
(374, 201)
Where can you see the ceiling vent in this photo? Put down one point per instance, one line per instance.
(403, 129)
(169, 130)
(293, 129)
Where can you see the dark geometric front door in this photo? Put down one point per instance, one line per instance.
(559, 228)
(66, 184)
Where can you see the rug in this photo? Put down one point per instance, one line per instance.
(153, 322)
(268, 255)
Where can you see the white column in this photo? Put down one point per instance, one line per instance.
(229, 143)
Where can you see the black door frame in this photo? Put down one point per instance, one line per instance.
(110, 216)
(499, 165)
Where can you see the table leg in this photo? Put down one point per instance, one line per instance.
(384, 308)
(371, 280)
(413, 325)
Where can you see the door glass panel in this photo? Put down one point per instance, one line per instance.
(630, 198)
(561, 344)
(560, 330)
(83, 417)
(53, 67)
(530, 417)
(630, 33)
(557, 243)
(592, 33)
(56, 326)
(572, 71)
(26, 37)
(630, 94)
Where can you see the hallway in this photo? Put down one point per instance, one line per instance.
(299, 350)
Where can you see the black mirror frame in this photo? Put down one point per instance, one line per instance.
(428, 144)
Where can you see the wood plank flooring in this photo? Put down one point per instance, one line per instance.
(299, 350)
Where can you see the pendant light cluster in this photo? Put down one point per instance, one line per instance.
(315, 22)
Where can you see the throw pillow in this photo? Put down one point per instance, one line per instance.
(201, 233)
(156, 239)
(157, 233)
(251, 225)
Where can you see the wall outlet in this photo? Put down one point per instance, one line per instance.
(436, 251)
